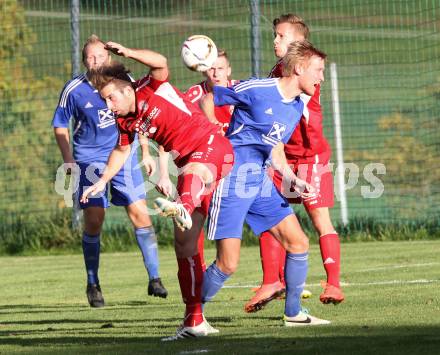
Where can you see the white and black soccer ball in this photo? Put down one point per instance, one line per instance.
(199, 53)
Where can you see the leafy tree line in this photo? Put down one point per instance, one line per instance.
(27, 147)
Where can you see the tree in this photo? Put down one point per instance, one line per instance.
(27, 147)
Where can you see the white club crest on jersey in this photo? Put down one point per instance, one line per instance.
(277, 131)
(106, 118)
(275, 134)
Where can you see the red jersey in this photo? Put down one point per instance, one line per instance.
(222, 113)
(165, 115)
(308, 138)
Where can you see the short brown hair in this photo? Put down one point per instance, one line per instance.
(93, 39)
(299, 52)
(222, 53)
(296, 21)
(106, 74)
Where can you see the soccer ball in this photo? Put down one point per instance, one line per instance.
(199, 53)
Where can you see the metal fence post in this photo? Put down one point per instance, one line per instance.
(255, 37)
(340, 171)
(75, 55)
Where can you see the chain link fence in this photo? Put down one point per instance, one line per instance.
(387, 54)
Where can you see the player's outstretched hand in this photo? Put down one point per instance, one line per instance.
(117, 49)
(304, 189)
(164, 186)
(149, 164)
(93, 190)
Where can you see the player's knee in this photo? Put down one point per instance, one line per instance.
(227, 266)
(299, 244)
(93, 226)
(140, 220)
(138, 214)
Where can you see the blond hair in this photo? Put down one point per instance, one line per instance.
(299, 53)
(222, 53)
(106, 74)
(296, 21)
(93, 39)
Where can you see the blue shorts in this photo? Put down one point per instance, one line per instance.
(256, 202)
(126, 187)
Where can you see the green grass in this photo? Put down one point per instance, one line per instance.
(392, 306)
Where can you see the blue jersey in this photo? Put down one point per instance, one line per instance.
(262, 118)
(95, 133)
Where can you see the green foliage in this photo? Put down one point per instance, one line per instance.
(27, 148)
(412, 165)
(27, 234)
(369, 229)
(33, 234)
(16, 38)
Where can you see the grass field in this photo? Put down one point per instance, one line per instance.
(392, 306)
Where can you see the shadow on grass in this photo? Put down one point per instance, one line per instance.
(65, 307)
(308, 340)
(107, 332)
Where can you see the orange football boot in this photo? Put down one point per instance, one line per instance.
(331, 294)
(263, 296)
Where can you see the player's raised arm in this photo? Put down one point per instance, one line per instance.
(156, 61)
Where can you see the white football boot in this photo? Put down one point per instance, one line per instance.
(303, 319)
(201, 330)
(176, 211)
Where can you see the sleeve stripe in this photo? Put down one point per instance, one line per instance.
(72, 85)
(145, 83)
(255, 84)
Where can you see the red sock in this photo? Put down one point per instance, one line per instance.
(190, 188)
(201, 248)
(270, 254)
(281, 263)
(190, 276)
(331, 257)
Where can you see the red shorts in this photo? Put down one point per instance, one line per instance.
(316, 174)
(218, 156)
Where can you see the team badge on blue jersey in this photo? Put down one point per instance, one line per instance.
(276, 134)
(106, 118)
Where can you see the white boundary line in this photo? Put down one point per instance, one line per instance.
(345, 284)
(389, 267)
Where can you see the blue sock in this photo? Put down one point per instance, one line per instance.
(213, 281)
(147, 241)
(295, 274)
(91, 249)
